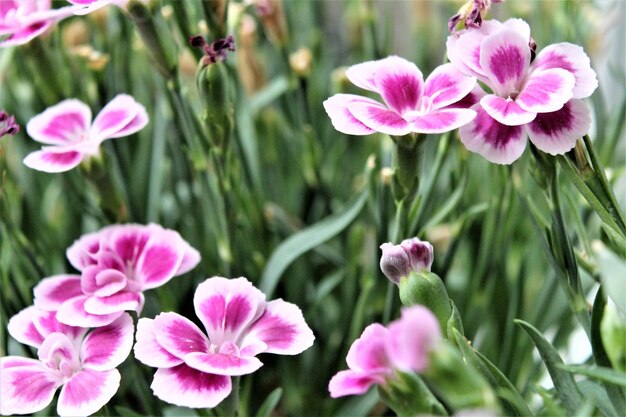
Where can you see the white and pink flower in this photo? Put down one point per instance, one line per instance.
(194, 368)
(82, 364)
(539, 99)
(117, 264)
(380, 352)
(23, 20)
(67, 128)
(410, 103)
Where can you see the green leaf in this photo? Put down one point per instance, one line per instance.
(123, 411)
(612, 273)
(305, 240)
(270, 403)
(564, 383)
(359, 406)
(594, 393)
(600, 373)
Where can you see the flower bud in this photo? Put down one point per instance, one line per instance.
(428, 289)
(411, 255)
(300, 62)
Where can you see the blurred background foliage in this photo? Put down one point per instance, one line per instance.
(292, 204)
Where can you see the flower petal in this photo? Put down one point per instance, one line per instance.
(107, 347)
(187, 387)
(160, 259)
(179, 335)
(447, 85)
(364, 74)
(572, 58)
(281, 328)
(226, 307)
(48, 160)
(27, 386)
(505, 58)
(368, 353)
(464, 50)
(122, 116)
(65, 123)
(114, 304)
(84, 251)
(546, 91)
(87, 392)
(22, 327)
(102, 282)
(443, 120)
(47, 323)
(506, 111)
(496, 142)
(73, 313)
(556, 133)
(400, 83)
(411, 337)
(148, 351)
(191, 258)
(53, 291)
(226, 362)
(349, 382)
(469, 100)
(337, 109)
(379, 118)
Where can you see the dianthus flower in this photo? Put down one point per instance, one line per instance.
(67, 127)
(380, 352)
(117, 264)
(538, 99)
(410, 103)
(194, 369)
(82, 363)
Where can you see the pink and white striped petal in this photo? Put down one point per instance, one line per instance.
(27, 386)
(464, 50)
(556, 133)
(148, 351)
(160, 259)
(58, 352)
(342, 119)
(369, 352)
(65, 123)
(505, 58)
(281, 328)
(187, 387)
(114, 304)
(349, 382)
(470, 99)
(379, 118)
(412, 337)
(102, 282)
(73, 313)
(53, 160)
(53, 291)
(115, 117)
(506, 110)
(224, 362)
(191, 258)
(546, 91)
(400, 83)
(26, 33)
(179, 335)
(447, 85)
(84, 251)
(443, 120)
(227, 307)
(22, 327)
(572, 58)
(494, 141)
(363, 75)
(87, 392)
(47, 323)
(140, 121)
(107, 347)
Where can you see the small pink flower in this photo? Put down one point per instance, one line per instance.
(410, 104)
(380, 352)
(194, 370)
(67, 127)
(8, 126)
(538, 99)
(398, 261)
(82, 364)
(117, 264)
(23, 20)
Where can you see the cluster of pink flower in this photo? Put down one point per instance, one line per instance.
(82, 331)
(538, 98)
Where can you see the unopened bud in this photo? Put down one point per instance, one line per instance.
(8, 126)
(300, 62)
(411, 255)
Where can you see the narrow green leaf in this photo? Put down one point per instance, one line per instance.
(612, 273)
(600, 373)
(564, 383)
(595, 394)
(360, 405)
(305, 240)
(271, 92)
(123, 411)
(270, 403)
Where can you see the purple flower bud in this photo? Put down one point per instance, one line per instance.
(8, 126)
(215, 51)
(398, 261)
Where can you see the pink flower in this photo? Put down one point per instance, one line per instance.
(194, 370)
(410, 104)
(23, 20)
(82, 364)
(380, 352)
(540, 100)
(398, 261)
(117, 264)
(68, 129)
